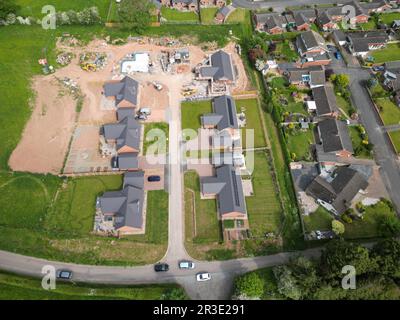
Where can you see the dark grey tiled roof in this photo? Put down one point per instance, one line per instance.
(128, 160)
(334, 136)
(228, 186)
(325, 100)
(221, 67)
(127, 204)
(124, 112)
(126, 132)
(126, 89)
(341, 190)
(224, 115)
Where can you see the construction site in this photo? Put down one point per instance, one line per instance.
(165, 70)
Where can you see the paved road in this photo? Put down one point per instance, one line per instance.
(218, 288)
(384, 155)
(278, 6)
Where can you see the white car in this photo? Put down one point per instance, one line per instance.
(204, 276)
(186, 265)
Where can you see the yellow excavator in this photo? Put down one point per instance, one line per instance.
(89, 67)
(188, 92)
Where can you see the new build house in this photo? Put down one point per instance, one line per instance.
(336, 192)
(227, 187)
(121, 212)
(124, 92)
(334, 138)
(219, 72)
(312, 49)
(224, 120)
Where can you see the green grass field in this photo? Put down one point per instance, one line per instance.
(34, 7)
(390, 113)
(151, 131)
(321, 219)
(253, 122)
(286, 53)
(192, 112)
(388, 18)
(207, 15)
(344, 105)
(14, 287)
(390, 53)
(240, 15)
(356, 139)
(299, 144)
(395, 136)
(207, 223)
(263, 208)
(181, 16)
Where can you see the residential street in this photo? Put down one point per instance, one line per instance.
(384, 155)
(279, 6)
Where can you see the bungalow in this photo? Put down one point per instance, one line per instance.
(336, 192)
(361, 42)
(335, 138)
(312, 49)
(391, 75)
(325, 101)
(124, 135)
(339, 37)
(191, 5)
(302, 22)
(125, 92)
(212, 3)
(313, 76)
(272, 23)
(223, 13)
(220, 71)
(224, 120)
(123, 210)
(227, 187)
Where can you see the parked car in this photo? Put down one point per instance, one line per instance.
(186, 265)
(145, 111)
(154, 178)
(114, 163)
(203, 276)
(338, 56)
(64, 274)
(378, 68)
(141, 117)
(161, 267)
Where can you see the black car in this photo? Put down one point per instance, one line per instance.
(161, 267)
(64, 274)
(154, 178)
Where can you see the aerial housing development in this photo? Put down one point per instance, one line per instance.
(200, 149)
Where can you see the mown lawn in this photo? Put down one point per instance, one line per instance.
(390, 53)
(207, 15)
(359, 148)
(240, 15)
(299, 144)
(395, 136)
(253, 122)
(192, 111)
(176, 15)
(388, 18)
(370, 25)
(208, 228)
(13, 287)
(390, 113)
(34, 7)
(57, 225)
(368, 226)
(344, 105)
(286, 53)
(155, 137)
(263, 208)
(321, 219)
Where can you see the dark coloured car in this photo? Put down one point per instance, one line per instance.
(114, 163)
(154, 178)
(161, 267)
(64, 274)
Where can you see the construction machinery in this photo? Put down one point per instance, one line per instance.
(158, 86)
(188, 92)
(89, 66)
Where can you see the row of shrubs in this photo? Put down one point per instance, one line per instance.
(88, 16)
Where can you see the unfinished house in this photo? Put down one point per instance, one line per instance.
(227, 188)
(225, 123)
(360, 43)
(124, 92)
(121, 212)
(334, 138)
(220, 72)
(312, 49)
(335, 193)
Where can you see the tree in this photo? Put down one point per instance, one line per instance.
(257, 54)
(339, 253)
(388, 225)
(135, 14)
(337, 227)
(387, 255)
(250, 285)
(341, 80)
(7, 7)
(174, 294)
(305, 273)
(287, 283)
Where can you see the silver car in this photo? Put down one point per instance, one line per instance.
(186, 265)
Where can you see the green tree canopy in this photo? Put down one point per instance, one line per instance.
(6, 7)
(287, 283)
(388, 225)
(337, 227)
(135, 14)
(251, 285)
(387, 255)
